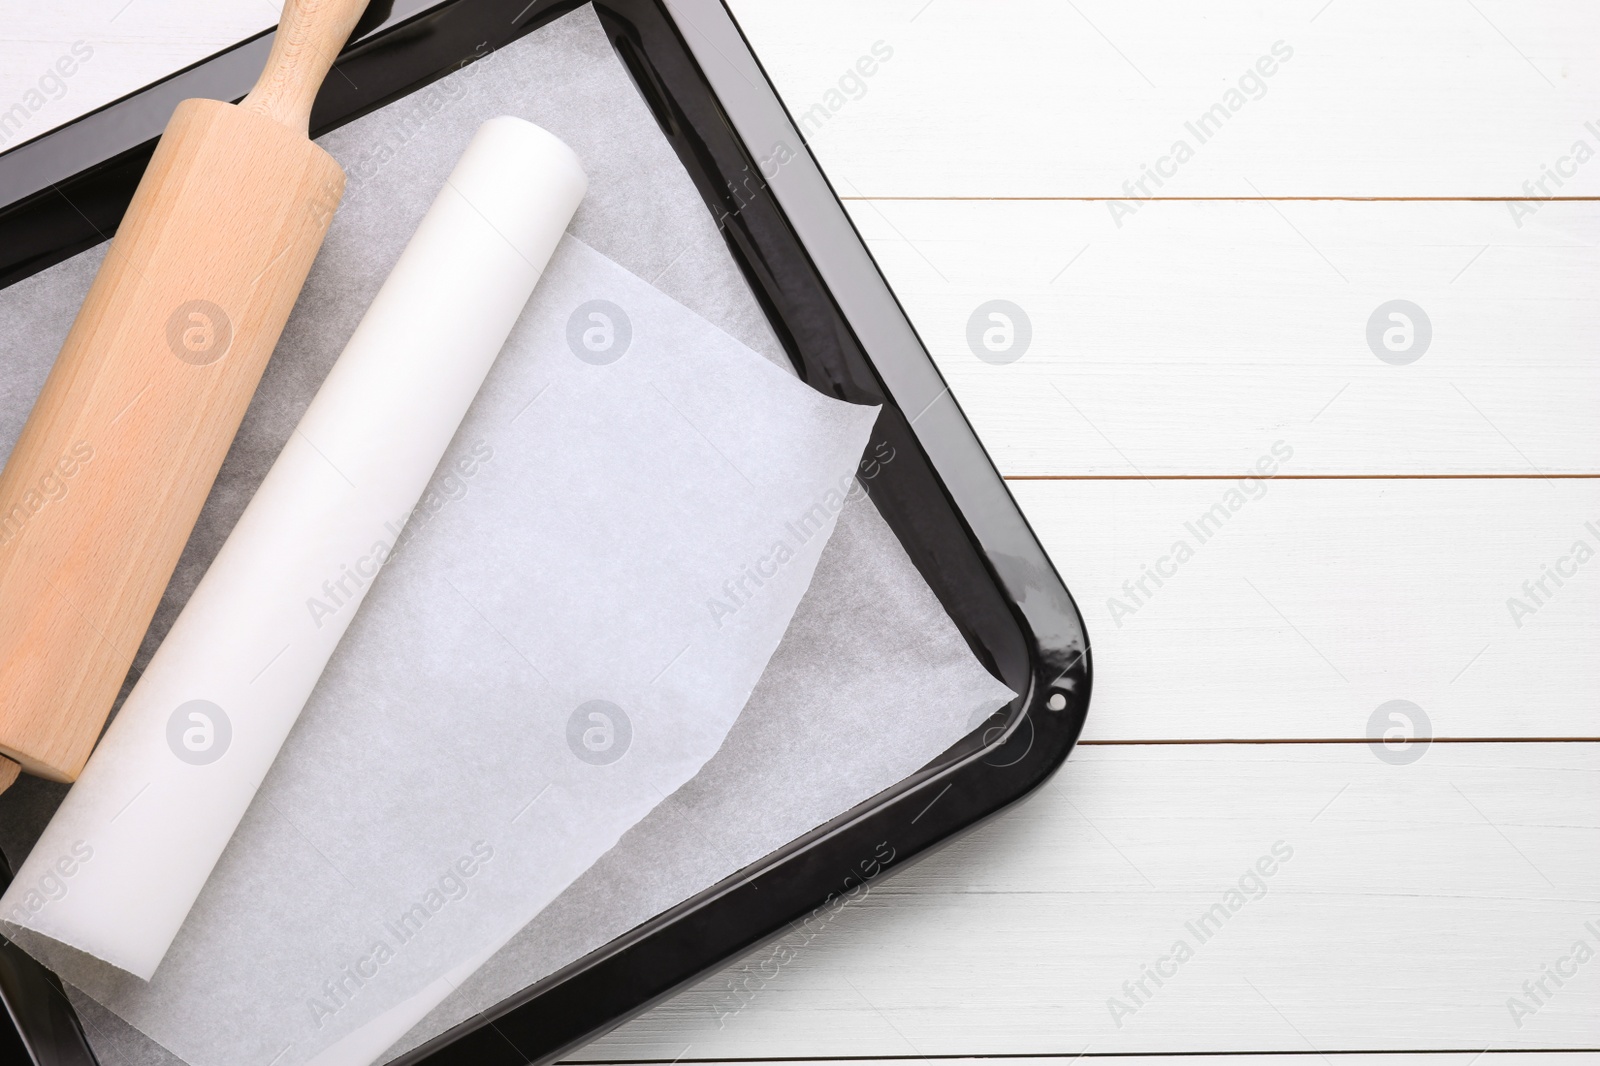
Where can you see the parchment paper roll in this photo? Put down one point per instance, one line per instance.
(120, 866)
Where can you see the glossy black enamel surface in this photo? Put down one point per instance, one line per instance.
(846, 336)
(38, 1008)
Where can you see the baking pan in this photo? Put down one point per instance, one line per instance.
(846, 336)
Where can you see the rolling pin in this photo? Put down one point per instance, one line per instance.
(116, 459)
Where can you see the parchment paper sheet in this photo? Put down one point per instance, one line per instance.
(872, 679)
(542, 660)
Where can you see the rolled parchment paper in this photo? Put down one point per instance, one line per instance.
(121, 864)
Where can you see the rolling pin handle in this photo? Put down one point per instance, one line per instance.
(310, 34)
(8, 772)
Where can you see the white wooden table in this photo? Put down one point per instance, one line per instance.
(1418, 542)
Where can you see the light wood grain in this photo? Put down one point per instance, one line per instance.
(1417, 900)
(115, 461)
(307, 41)
(1043, 98)
(1199, 332)
(1314, 602)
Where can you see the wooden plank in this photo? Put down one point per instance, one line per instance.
(58, 62)
(1315, 602)
(1416, 901)
(1190, 339)
(1042, 98)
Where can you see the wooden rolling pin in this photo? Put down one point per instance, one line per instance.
(116, 460)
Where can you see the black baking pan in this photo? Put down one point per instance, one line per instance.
(846, 335)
